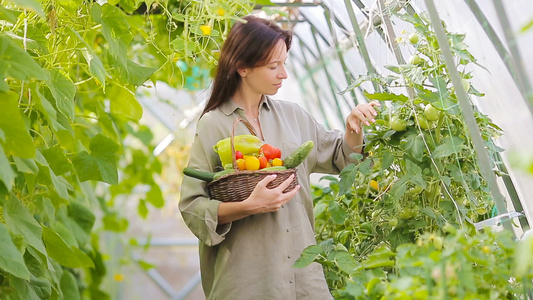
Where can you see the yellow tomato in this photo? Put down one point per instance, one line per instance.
(374, 184)
(241, 164)
(252, 163)
(277, 162)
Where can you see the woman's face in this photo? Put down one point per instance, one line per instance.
(267, 79)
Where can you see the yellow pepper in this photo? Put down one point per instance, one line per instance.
(247, 144)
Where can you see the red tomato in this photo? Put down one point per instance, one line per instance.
(270, 152)
(238, 155)
(263, 161)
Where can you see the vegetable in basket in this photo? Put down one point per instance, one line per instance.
(247, 144)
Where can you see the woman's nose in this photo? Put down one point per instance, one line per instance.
(283, 72)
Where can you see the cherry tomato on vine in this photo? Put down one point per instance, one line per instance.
(431, 113)
(397, 124)
(415, 59)
(413, 38)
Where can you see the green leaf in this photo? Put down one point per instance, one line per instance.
(413, 144)
(386, 97)
(7, 176)
(348, 175)
(32, 5)
(57, 249)
(380, 257)
(20, 221)
(18, 141)
(9, 15)
(115, 29)
(124, 103)
(69, 286)
(387, 160)
(449, 146)
(82, 215)
(134, 73)
(26, 165)
(142, 209)
(24, 289)
(308, 256)
(155, 196)
(345, 261)
(101, 163)
(11, 260)
(399, 188)
(338, 213)
(41, 286)
(57, 160)
(64, 91)
(17, 63)
(527, 27)
(115, 223)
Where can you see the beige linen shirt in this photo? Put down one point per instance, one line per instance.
(252, 258)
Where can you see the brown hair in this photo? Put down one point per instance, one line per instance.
(248, 45)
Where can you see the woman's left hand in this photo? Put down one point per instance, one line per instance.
(361, 114)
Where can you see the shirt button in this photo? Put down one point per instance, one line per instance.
(291, 281)
(287, 230)
(288, 256)
(283, 206)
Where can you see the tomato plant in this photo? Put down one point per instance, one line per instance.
(421, 150)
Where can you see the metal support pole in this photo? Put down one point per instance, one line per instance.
(468, 113)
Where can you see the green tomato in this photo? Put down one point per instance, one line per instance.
(393, 222)
(415, 59)
(397, 124)
(431, 113)
(423, 122)
(414, 38)
(416, 190)
(437, 242)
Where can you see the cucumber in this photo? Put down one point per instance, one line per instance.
(299, 155)
(205, 176)
(276, 168)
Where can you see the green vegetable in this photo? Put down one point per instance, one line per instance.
(275, 168)
(222, 173)
(247, 144)
(299, 155)
(202, 175)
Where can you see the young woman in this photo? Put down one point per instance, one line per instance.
(248, 248)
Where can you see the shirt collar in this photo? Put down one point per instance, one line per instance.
(229, 106)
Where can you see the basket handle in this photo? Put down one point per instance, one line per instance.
(232, 137)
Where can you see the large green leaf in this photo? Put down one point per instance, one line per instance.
(58, 182)
(57, 160)
(449, 146)
(11, 260)
(24, 289)
(46, 108)
(124, 103)
(57, 249)
(96, 68)
(69, 286)
(32, 5)
(101, 163)
(116, 30)
(20, 221)
(308, 256)
(338, 213)
(64, 91)
(134, 73)
(18, 141)
(7, 176)
(17, 63)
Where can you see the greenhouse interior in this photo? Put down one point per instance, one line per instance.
(100, 102)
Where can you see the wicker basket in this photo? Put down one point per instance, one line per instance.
(238, 186)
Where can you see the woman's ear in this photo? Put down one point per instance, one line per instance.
(242, 72)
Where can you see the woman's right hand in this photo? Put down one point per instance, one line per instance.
(263, 199)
